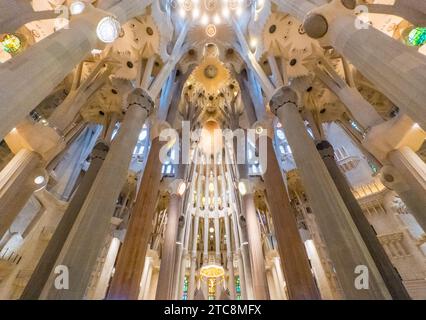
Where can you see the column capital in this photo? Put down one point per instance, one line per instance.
(317, 21)
(141, 98)
(281, 97)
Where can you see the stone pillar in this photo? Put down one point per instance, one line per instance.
(167, 266)
(92, 225)
(192, 284)
(105, 276)
(388, 272)
(395, 69)
(39, 69)
(47, 262)
(16, 13)
(406, 176)
(345, 245)
(130, 262)
(295, 264)
(17, 185)
(258, 271)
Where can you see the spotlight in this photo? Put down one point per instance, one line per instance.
(211, 229)
(108, 29)
(77, 7)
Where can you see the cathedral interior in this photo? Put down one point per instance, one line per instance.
(123, 123)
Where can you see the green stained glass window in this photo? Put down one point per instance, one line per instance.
(11, 43)
(185, 288)
(238, 287)
(417, 37)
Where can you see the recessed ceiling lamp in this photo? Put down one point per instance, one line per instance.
(77, 7)
(108, 29)
(211, 229)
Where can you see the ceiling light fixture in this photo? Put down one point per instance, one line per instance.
(108, 29)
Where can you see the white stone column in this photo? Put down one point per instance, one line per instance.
(411, 170)
(229, 257)
(192, 284)
(87, 236)
(347, 250)
(34, 245)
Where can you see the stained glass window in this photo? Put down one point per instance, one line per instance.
(238, 287)
(417, 37)
(185, 288)
(11, 43)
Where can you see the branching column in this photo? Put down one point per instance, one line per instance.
(90, 229)
(165, 278)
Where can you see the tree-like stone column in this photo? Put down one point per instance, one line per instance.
(167, 265)
(125, 283)
(258, 271)
(395, 69)
(294, 260)
(383, 263)
(347, 250)
(47, 261)
(29, 77)
(17, 185)
(92, 225)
